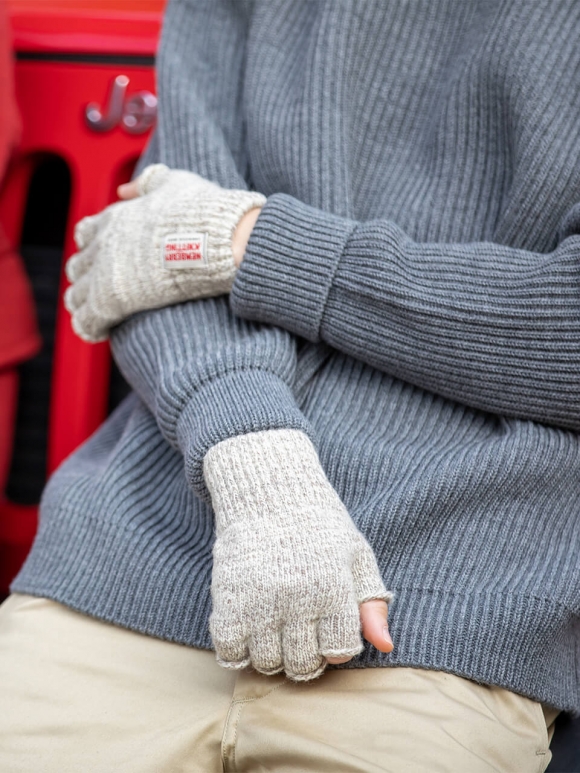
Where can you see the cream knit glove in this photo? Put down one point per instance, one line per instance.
(290, 568)
(171, 244)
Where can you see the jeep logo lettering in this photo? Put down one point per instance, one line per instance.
(136, 113)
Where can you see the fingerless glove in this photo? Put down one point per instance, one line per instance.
(290, 568)
(171, 244)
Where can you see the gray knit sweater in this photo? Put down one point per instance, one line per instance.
(417, 266)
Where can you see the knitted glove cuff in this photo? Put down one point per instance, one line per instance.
(274, 472)
(219, 224)
(195, 231)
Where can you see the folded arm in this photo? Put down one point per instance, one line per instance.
(221, 388)
(490, 326)
(206, 379)
(205, 374)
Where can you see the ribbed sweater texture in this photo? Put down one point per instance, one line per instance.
(410, 299)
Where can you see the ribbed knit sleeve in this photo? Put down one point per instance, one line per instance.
(487, 325)
(205, 374)
(205, 379)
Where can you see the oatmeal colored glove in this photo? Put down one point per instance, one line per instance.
(290, 568)
(171, 244)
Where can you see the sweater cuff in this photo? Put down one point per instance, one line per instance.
(289, 265)
(234, 404)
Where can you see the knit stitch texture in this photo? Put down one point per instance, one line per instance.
(421, 237)
(171, 243)
(290, 568)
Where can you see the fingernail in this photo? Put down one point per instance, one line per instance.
(387, 635)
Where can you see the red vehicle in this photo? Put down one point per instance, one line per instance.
(85, 91)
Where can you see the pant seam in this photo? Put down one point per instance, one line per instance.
(239, 704)
(259, 697)
(224, 754)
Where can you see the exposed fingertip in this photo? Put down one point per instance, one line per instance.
(233, 665)
(385, 642)
(310, 675)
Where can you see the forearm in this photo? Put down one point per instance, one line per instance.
(204, 373)
(484, 324)
(207, 376)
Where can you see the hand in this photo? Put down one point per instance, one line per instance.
(172, 243)
(373, 614)
(242, 231)
(290, 568)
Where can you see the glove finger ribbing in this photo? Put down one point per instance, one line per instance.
(266, 651)
(80, 262)
(368, 582)
(302, 660)
(85, 230)
(76, 295)
(151, 178)
(339, 635)
(86, 324)
(231, 644)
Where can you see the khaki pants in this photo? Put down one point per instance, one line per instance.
(82, 696)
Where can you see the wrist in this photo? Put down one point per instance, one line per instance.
(274, 472)
(242, 234)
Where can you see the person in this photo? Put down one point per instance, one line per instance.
(403, 318)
